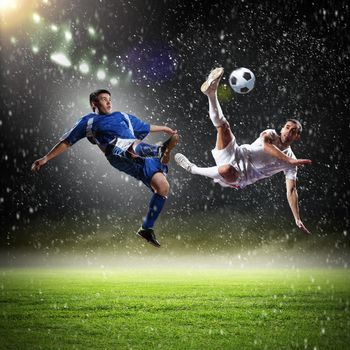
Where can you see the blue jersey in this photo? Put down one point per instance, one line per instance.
(118, 128)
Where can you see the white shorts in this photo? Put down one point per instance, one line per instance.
(228, 156)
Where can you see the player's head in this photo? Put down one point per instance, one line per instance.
(291, 131)
(100, 101)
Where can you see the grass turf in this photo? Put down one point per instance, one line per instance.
(174, 309)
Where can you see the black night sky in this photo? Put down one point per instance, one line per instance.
(153, 56)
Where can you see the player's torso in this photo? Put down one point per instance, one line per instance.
(107, 127)
(114, 122)
(259, 164)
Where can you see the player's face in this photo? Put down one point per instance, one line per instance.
(103, 104)
(289, 133)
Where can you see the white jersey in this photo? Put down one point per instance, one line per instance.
(252, 162)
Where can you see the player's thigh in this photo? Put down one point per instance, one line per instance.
(224, 136)
(160, 184)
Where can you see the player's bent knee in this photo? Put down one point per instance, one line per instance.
(160, 184)
(224, 127)
(228, 172)
(163, 190)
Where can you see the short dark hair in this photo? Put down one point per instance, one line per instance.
(298, 124)
(94, 95)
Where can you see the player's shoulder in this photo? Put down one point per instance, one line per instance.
(116, 114)
(86, 117)
(270, 133)
(83, 120)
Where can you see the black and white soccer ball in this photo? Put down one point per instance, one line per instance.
(242, 80)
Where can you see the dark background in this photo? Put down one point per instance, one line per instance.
(299, 52)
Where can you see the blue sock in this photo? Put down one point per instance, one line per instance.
(145, 150)
(155, 207)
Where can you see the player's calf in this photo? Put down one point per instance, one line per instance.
(167, 147)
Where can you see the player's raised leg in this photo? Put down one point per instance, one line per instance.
(224, 135)
(209, 88)
(161, 187)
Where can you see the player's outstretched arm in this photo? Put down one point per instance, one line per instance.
(273, 151)
(162, 128)
(56, 150)
(292, 196)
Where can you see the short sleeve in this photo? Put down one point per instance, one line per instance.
(77, 132)
(141, 129)
(291, 173)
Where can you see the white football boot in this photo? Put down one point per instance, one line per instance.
(181, 160)
(212, 82)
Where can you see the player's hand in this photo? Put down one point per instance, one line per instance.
(300, 162)
(169, 131)
(302, 227)
(36, 166)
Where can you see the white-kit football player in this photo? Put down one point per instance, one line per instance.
(239, 166)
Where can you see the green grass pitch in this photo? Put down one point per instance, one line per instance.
(169, 308)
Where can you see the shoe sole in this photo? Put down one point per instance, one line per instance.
(150, 242)
(213, 78)
(173, 142)
(178, 161)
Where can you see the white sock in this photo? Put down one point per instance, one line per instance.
(212, 172)
(215, 112)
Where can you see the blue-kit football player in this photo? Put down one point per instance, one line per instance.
(119, 136)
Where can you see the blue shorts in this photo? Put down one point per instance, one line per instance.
(141, 169)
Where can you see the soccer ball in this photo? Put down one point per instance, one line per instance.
(242, 80)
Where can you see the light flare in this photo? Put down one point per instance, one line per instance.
(91, 31)
(114, 81)
(61, 59)
(36, 18)
(8, 5)
(101, 74)
(84, 68)
(68, 35)
(15, 12)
